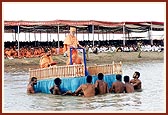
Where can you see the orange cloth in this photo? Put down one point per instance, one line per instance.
(71, 41)
(28, 54)
(78, 60)
(8, 53)
(45, 61)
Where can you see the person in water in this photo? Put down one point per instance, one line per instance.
(101, 85)
(55, 90)
(136, 81)
(117, 86)
(30, 86)
(88, 89)
(128, 86)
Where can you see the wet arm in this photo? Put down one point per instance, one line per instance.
(51, 89)
(132, 81)
(112, 88)
(51, 60)
(137, 83)
(79, 89)
(65, 48)
(31, 89)
(96, 84)
(107, 89)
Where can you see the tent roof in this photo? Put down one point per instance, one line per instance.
(83, 26)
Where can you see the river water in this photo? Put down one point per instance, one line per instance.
(151, 99)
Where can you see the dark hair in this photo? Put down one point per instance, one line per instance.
(33, 78)
(57, 81)
(118, 77)
(100, 76)
(89, 79)
(126, 78)
(138, 74)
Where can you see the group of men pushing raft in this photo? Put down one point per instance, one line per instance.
(100, 86)
(88, 89)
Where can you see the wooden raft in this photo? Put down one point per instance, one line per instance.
(75, 71)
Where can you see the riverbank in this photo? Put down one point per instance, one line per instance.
(23, 65)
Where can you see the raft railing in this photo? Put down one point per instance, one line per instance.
(58, 71)
(114, 68)
(75, 70)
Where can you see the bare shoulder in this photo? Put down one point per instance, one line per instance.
(114, 83)
(55, 87)
(30, 89)
(84, 85)
(93, 85)
(131, 80)
(104, 82)
(98, 81)
(29, 86)
(139, 80)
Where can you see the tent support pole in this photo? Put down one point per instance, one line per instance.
(58, 39)
(102, 35)
(151, 35)
(50, 36)
(47, 36)
(106, 35)
(15, 35)
(93, 33)
(83, 35)
(98, 35)
(25, 36)
(35, 39)
(18, 42)
(124, 34)
(40, 36)
(29, 36)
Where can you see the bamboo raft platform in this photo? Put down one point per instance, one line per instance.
(70, 71)
(73, 76)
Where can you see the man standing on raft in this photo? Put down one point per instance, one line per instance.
(72, 42)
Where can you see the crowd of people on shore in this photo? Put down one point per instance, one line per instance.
(129, 48)
(31, 52)
(100, 87)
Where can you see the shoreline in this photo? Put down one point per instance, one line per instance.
(23, 65)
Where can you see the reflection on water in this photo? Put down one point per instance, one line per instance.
(152, 98)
